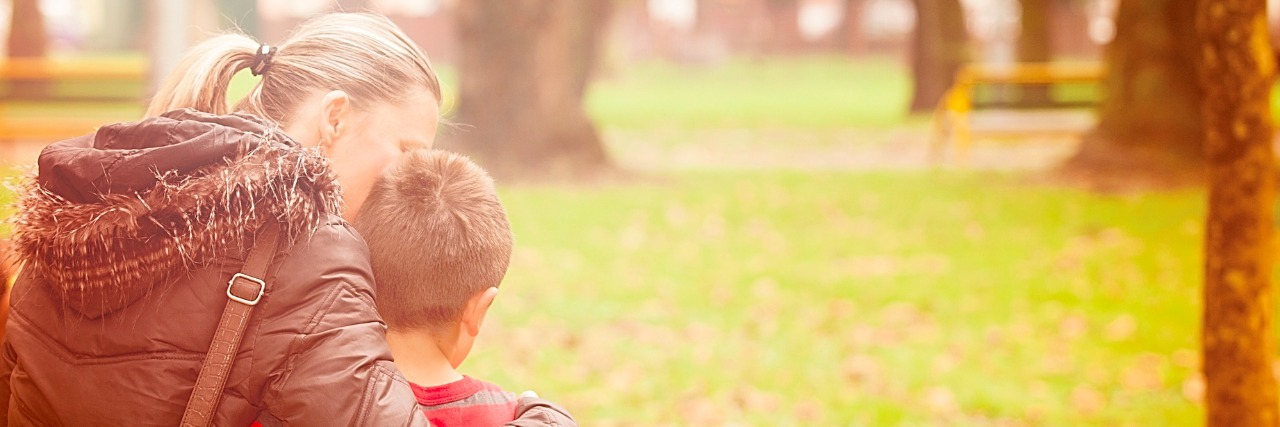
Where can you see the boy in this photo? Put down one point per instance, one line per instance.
(440, 245)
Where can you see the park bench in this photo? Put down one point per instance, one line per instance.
(47, 99)
(999, 88)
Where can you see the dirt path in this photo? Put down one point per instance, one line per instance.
(905, 148)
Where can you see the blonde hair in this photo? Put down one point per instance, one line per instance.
(363, 54)
(437, 235)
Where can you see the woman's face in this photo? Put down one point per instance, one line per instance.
(361, 143)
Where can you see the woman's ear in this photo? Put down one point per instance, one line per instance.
(335, 107)
(477, 307)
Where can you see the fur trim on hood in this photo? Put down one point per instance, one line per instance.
(113, 216)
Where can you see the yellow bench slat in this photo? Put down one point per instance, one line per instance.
(86, 69)
(956, 105)
(68, 115)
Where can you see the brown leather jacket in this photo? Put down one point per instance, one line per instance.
(129, 238)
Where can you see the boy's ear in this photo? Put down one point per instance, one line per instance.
(477, 307)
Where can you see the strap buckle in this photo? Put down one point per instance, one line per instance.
(262, 287)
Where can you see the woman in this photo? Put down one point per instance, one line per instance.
(130, 236)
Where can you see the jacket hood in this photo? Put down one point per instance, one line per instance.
(114, 215)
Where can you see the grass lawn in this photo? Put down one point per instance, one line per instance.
(845, 298)
(811, 92)
(850, 298)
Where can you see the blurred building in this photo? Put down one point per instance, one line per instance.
(692, 31)
(427, 22)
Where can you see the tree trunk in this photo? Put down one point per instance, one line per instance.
(1237, 70)
(27, 37)
(523, 70)
(938, 48)
(848, 36)
(1149, 119)
(1069, 25)
(1035, 44)
(784, 26)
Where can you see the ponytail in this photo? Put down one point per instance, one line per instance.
(202, 78)
(365, 55)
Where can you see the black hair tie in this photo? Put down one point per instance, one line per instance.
(262, 59)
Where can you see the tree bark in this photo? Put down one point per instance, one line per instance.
(1035, 44)
(523, 71)
(938, 48)
(1237, 71)
(1149, 119)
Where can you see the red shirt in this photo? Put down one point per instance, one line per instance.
(466, 402)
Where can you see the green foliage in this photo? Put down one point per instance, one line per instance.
(843, 298)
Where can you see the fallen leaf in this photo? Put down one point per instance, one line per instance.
(860, 369)
(941, 401)
(1186, 358)
(1121, 328)
(1073, 326)
(1193, 388)
(808, 412)
(1087, 400)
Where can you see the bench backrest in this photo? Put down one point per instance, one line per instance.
(74, 80)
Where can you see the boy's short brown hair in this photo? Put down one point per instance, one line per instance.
(437, 234)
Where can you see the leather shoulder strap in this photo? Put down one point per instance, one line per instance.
(243, 293)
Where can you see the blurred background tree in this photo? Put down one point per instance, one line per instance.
(27, 35)
(523, 72)
(1149, 119)
(938, 48)
(28, 38)
(848, 36)
(784, 26)
(1035, 44)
